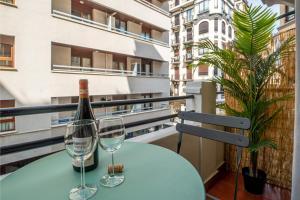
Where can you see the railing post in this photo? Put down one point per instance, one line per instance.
(204, 96)
(296, 152)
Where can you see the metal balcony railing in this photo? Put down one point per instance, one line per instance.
(188, 39)
(175, 42)
(23, 111)
(105, 71)
(175, 60)
(188, 57)
(105, 27)
(188, 20)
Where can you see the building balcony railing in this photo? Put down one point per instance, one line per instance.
(65, 120)
(8, 2)
(106, 27)
(104, 71)
(154, 7)
(187, 77)
(175, 77)
(175, 25)
(176, 5)
(175, 60)
(175, 42)
(188, 57)
(188, 39)
(188, 21)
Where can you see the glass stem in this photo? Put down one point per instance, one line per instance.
(113, 164)
(82, 174)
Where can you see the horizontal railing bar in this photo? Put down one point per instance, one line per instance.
(60, 139)
(286, 14)
(8, 112)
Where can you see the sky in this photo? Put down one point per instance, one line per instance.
(275, 9)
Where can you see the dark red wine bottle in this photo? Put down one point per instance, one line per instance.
(84, 111)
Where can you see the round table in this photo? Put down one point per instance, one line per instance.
(151, 172)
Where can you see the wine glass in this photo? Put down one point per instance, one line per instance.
(81, 141)
(111, 137)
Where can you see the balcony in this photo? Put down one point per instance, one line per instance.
(175, 5)
(188, 57)
(188, 40)
(175, 77)
(155, 5)
(188, 76)
(106, 27)
(175, 25)
(175, 43)
(188, 21)
(175, 60)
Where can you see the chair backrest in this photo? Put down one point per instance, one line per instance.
(213, 134)
(222, 136)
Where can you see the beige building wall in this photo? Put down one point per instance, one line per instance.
(62, 5)
(61, 55)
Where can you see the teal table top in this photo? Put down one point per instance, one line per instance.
(151, 172)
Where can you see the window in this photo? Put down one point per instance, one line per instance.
(189, 15)
(230, 31)
(203, 6)
(80, 10)
(223, 28)
(119, 62)
(146, 33)
(177, 37)
(6, 51)
(120, 24)
(216, 3)
(81, 57)
(7, 123)
(202, 51)
(216, 24)
(203, 70)
(203, 27)
(176, 2)
(177, 19)
(189, 34)
(8, 1)
(289, 17)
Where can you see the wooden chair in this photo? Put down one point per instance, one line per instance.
(238, 140)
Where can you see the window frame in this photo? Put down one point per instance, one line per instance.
(202, 30)
(4, 120)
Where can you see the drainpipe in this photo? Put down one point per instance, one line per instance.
(296, 152)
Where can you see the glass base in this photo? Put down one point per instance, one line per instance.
(112, 181)
(80, 193)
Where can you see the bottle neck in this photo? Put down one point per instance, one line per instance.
(83, 93)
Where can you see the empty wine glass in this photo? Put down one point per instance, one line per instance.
(111, 137)
(81, 141)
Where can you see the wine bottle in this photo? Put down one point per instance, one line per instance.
(84, 111)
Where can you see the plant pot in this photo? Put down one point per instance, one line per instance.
(254, 185)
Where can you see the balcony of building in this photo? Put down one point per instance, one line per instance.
(175, 60)
(175, 5)
(161, 6)
(79, 60)
(188, 21)
(94, 15)
(188, 76)
(188, 57)
(175, 43)
(7, 52)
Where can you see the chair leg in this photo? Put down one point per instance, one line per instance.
(238, 159)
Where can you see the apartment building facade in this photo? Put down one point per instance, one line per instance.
(288, 22)
(46, 46)
(192, 21)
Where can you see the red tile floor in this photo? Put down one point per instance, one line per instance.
(223, 188)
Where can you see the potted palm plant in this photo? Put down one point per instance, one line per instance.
(248, 65)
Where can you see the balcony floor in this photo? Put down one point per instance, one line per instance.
(223, 188)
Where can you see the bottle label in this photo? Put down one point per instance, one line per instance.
(83, 93)
(81, 145)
